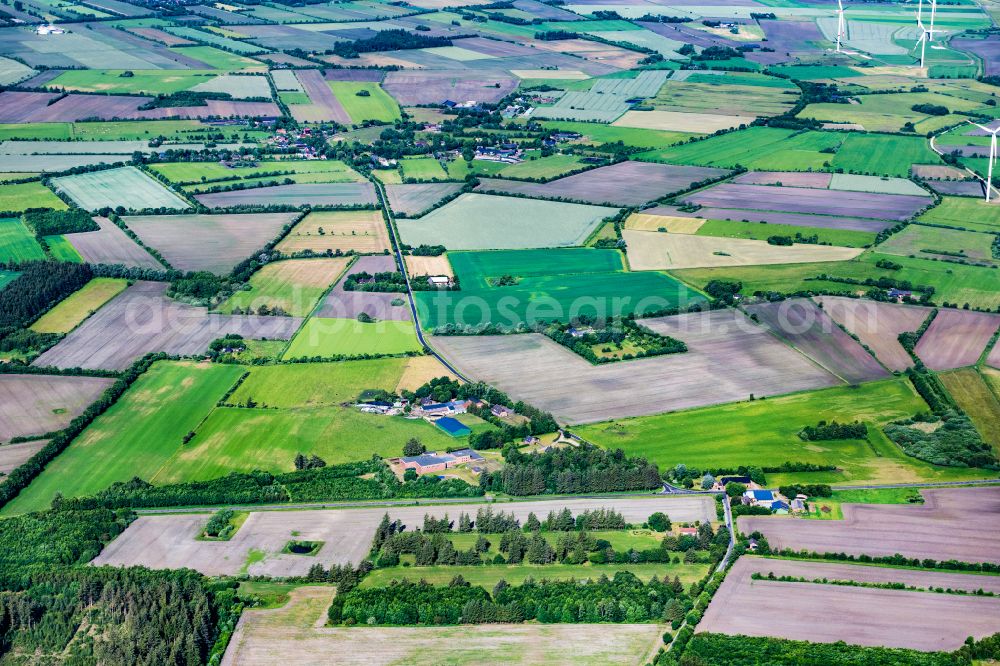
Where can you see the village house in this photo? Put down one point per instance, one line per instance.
(501, 411)
(765, 498)
(444, 408)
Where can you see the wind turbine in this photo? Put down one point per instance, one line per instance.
(993, 155)
(841, 26)
(925, 32)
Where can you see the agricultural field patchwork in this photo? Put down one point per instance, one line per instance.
(361, 268)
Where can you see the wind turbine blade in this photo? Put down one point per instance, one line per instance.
(985, 129)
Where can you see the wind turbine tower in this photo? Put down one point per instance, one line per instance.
(926, 34)
(993, 155)
(841, 24)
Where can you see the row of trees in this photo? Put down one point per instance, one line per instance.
(624, 598)
(569, 470)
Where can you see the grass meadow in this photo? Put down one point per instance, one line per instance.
(137, 436)
(62, 250)
(17, 243)
(76, 307)
(765, 433)
(376, 105)
(955, 283)
(294, 285)
(964, 213)
(758, 231)
(19, 197)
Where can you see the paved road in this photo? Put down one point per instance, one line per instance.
(409, 292)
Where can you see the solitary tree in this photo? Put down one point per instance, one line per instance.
(413, 447)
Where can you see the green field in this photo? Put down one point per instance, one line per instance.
(542, 167)
(815, 72)
(758, 231)
(126, 186)
(765, 148)
(62, 250)
(115, 130)
(17, 243)
(765, 433)
(487, 577)
(377, 105)
(888, 112)
(597, 133)
(76, 307)
(185, 173)
(219, 59)
(953, 282)
(148, 82)
(552, 284)
(423, 168)
(883, 154)
(923, 241)
(964, 213)
(137, 436)
(316, 384)
(235, 439)
(18, 197)
(292, 98)
(294, 285)
(327, 338)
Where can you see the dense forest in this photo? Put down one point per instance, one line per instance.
(55, 608)
(39, 285)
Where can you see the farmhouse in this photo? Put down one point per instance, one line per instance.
(444, 408)
(438, 461)
(765, 498)
(501, 411)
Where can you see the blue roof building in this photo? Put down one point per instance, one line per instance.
(453, 427)
(762, 495)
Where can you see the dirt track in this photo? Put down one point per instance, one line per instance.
(295, 634)
(961, 524)
(826, 613)
(168, 541)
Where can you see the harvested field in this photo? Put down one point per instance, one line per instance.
(413, 199)
(957, 188)
(311, 194)
(956, 338)
(361, 231)
(325, 106)
(480, 222)
(969, 516)
(212, 243)
(212, 108)
(877, 325)
(420, 370)
(993, 358)
(807, 200)
(791, 219)
(926, 621)
(810, 330)
(434, 87)
(69, 312)
(168, 541)
(785, 178)
(650, 250)
(938, 172)
(13, 456)
(677, 121)
(126, 186)
(38, 404)
(428, 265)
(655, 222)
(728, 358)
(142, 319)
(622, 184)
(341, 304)
(111, 245)
(294, 285)
(295, 632)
